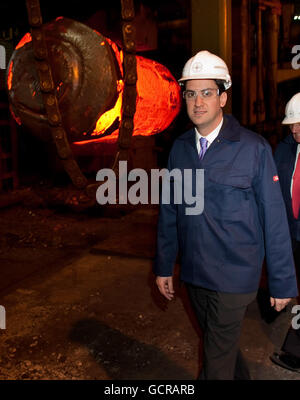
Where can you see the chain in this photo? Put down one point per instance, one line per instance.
(50, 100)
(48, 91)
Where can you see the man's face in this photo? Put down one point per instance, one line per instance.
(206, 114)
(295, 128)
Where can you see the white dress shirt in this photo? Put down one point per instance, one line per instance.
(210, 137)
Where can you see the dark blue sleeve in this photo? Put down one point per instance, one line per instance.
(272, 212)
(167, 239)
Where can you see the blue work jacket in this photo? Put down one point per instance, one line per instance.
(243, 220)
(285, 157)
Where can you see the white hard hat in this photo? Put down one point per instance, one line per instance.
(205, 65)
(292, 110)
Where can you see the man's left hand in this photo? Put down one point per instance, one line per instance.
(279, 304)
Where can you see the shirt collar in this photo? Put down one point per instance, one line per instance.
(211, 136)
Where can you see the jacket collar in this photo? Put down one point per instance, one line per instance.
(291, 142)
(229, 131)
(289, 139)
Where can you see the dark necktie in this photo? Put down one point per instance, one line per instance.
(203, 144)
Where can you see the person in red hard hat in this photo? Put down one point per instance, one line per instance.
(243, 220)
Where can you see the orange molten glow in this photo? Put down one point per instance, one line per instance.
(157, 104)
(10, 75)
(17, 119)
(108, 118)
(25, 39)
(158, 98)
(118, 54)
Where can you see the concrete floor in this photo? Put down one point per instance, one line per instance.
(81, 304)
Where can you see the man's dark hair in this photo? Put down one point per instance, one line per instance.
(220, 84)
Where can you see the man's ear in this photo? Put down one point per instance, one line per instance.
(223, 99)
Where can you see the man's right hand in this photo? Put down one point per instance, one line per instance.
(165, 286)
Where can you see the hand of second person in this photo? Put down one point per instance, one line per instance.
(279, 304)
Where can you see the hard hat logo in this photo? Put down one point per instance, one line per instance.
(292, 111)
(205, 65)
(197, 67)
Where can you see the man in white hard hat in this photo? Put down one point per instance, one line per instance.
(288, 164)
(243, 220)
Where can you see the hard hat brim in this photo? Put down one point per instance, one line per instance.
(289, 121)
(227, 84)
(193, 77)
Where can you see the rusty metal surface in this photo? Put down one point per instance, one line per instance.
(84, 77)
(49, 94)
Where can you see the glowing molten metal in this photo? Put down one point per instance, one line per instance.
(88, 74)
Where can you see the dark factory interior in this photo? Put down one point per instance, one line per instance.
(83, 86)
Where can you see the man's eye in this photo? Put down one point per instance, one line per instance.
(207, 93)
(190, 94)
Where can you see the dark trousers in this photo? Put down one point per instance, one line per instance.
(220, 317)
(292, 340)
